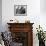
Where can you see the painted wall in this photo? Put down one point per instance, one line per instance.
(0, 15)
(33, 11)
(43, 14)
(43, 6)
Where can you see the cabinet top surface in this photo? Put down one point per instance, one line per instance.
(19, 23)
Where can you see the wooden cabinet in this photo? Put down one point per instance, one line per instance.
(22, 33)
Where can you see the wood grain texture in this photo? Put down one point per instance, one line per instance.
(22, 27)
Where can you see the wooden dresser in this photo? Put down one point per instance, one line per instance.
(22, 33)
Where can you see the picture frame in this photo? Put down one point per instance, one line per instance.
(20, 10)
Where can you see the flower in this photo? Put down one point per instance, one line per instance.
(40, 33)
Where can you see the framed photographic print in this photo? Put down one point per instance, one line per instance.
(20, 10)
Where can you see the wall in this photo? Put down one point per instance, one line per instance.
(43, 6)
(0, 15)
(43, 14)
(33, 14)
(33, 10)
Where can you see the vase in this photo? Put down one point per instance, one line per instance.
(41, 43)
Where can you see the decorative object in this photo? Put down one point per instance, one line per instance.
(27, 21)
(13, 21)
(20, 10)
(41, 36)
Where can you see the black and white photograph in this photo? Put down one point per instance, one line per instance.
(20, 10)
